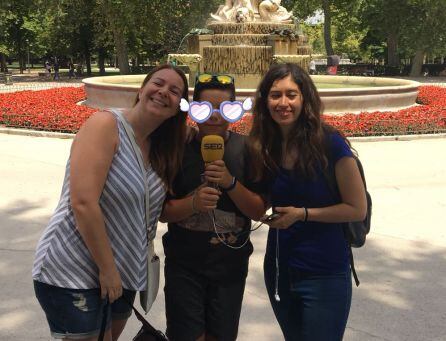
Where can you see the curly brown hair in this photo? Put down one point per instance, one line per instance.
(307, 135)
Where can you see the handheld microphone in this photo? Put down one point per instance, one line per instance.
(212, 148)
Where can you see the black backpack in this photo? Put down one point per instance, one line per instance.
(355, 232)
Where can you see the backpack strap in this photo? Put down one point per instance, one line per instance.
(352, 266)
(104, 320)
(330, 176)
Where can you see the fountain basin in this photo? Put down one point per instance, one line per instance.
(339, 94)
(355, 94)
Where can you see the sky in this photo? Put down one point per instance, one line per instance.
(316, 18)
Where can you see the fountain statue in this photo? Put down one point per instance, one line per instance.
(270, 10)
(252, 10)
(247, 36)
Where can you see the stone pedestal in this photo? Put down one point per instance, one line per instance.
(196, 43)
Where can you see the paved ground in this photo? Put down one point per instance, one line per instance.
(402, 267)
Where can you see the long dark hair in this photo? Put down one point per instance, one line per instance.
(306, 135)
(167, 141)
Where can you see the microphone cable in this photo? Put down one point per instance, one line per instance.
(218, 234)
(276, 286)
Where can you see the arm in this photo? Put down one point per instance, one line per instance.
(353, 206)
(91, 156)
(249, 203)
(203, 199)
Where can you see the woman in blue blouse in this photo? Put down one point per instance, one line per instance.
(307, 269)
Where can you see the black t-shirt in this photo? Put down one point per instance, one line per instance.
(193, 241)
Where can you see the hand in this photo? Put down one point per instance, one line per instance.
(206, 198)
(288, 216)
(269, 217)
(111, 285)
(216, 172)
(191, 133)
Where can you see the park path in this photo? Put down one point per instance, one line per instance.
(402, 267)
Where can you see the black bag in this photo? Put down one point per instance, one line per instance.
(146, 333)
(355, 232)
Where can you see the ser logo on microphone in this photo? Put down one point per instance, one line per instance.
(213, 146)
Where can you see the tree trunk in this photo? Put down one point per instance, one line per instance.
(101, 60)
(21, 63)
(392, 50)
(327, 27)
(87, 55)
(121, 51)
(115, 18)
(88, 62)
(3, 66)
(417, 64)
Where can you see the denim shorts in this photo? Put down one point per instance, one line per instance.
(78, 313)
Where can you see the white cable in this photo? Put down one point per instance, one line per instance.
(276, 293)
(221, 240)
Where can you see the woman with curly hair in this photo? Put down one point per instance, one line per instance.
(294, 150)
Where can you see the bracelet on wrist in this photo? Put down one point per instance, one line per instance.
(305, 218)
(194, 208)
(231, 186)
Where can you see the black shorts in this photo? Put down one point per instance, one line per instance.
(195, 305)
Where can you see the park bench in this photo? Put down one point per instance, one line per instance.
(6, 78)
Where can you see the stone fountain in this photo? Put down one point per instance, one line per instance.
(248, 36)
(243, 38)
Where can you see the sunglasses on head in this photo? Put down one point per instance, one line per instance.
(208, 77)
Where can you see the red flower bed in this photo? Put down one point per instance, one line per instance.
(428, 117)
(56, 110)
(53, 109)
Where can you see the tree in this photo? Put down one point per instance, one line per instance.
(387, 20)
(71, 29)
(119, 18)
(178, 18)
(315, 34)
(347, 32)
(413, 26)
(331, 9)
(425, 30)
(19, 25)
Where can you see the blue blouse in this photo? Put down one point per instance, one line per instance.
(312, 247)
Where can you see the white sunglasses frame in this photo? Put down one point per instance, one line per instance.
(245, 106)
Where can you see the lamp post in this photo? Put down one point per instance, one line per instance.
(29, 65)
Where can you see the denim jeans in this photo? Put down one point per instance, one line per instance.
(78, 313)
(311, 307)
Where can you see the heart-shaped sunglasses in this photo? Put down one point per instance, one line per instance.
(230, 111)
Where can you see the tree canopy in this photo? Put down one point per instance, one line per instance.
(141, 30)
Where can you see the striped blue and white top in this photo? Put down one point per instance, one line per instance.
(62, 258)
